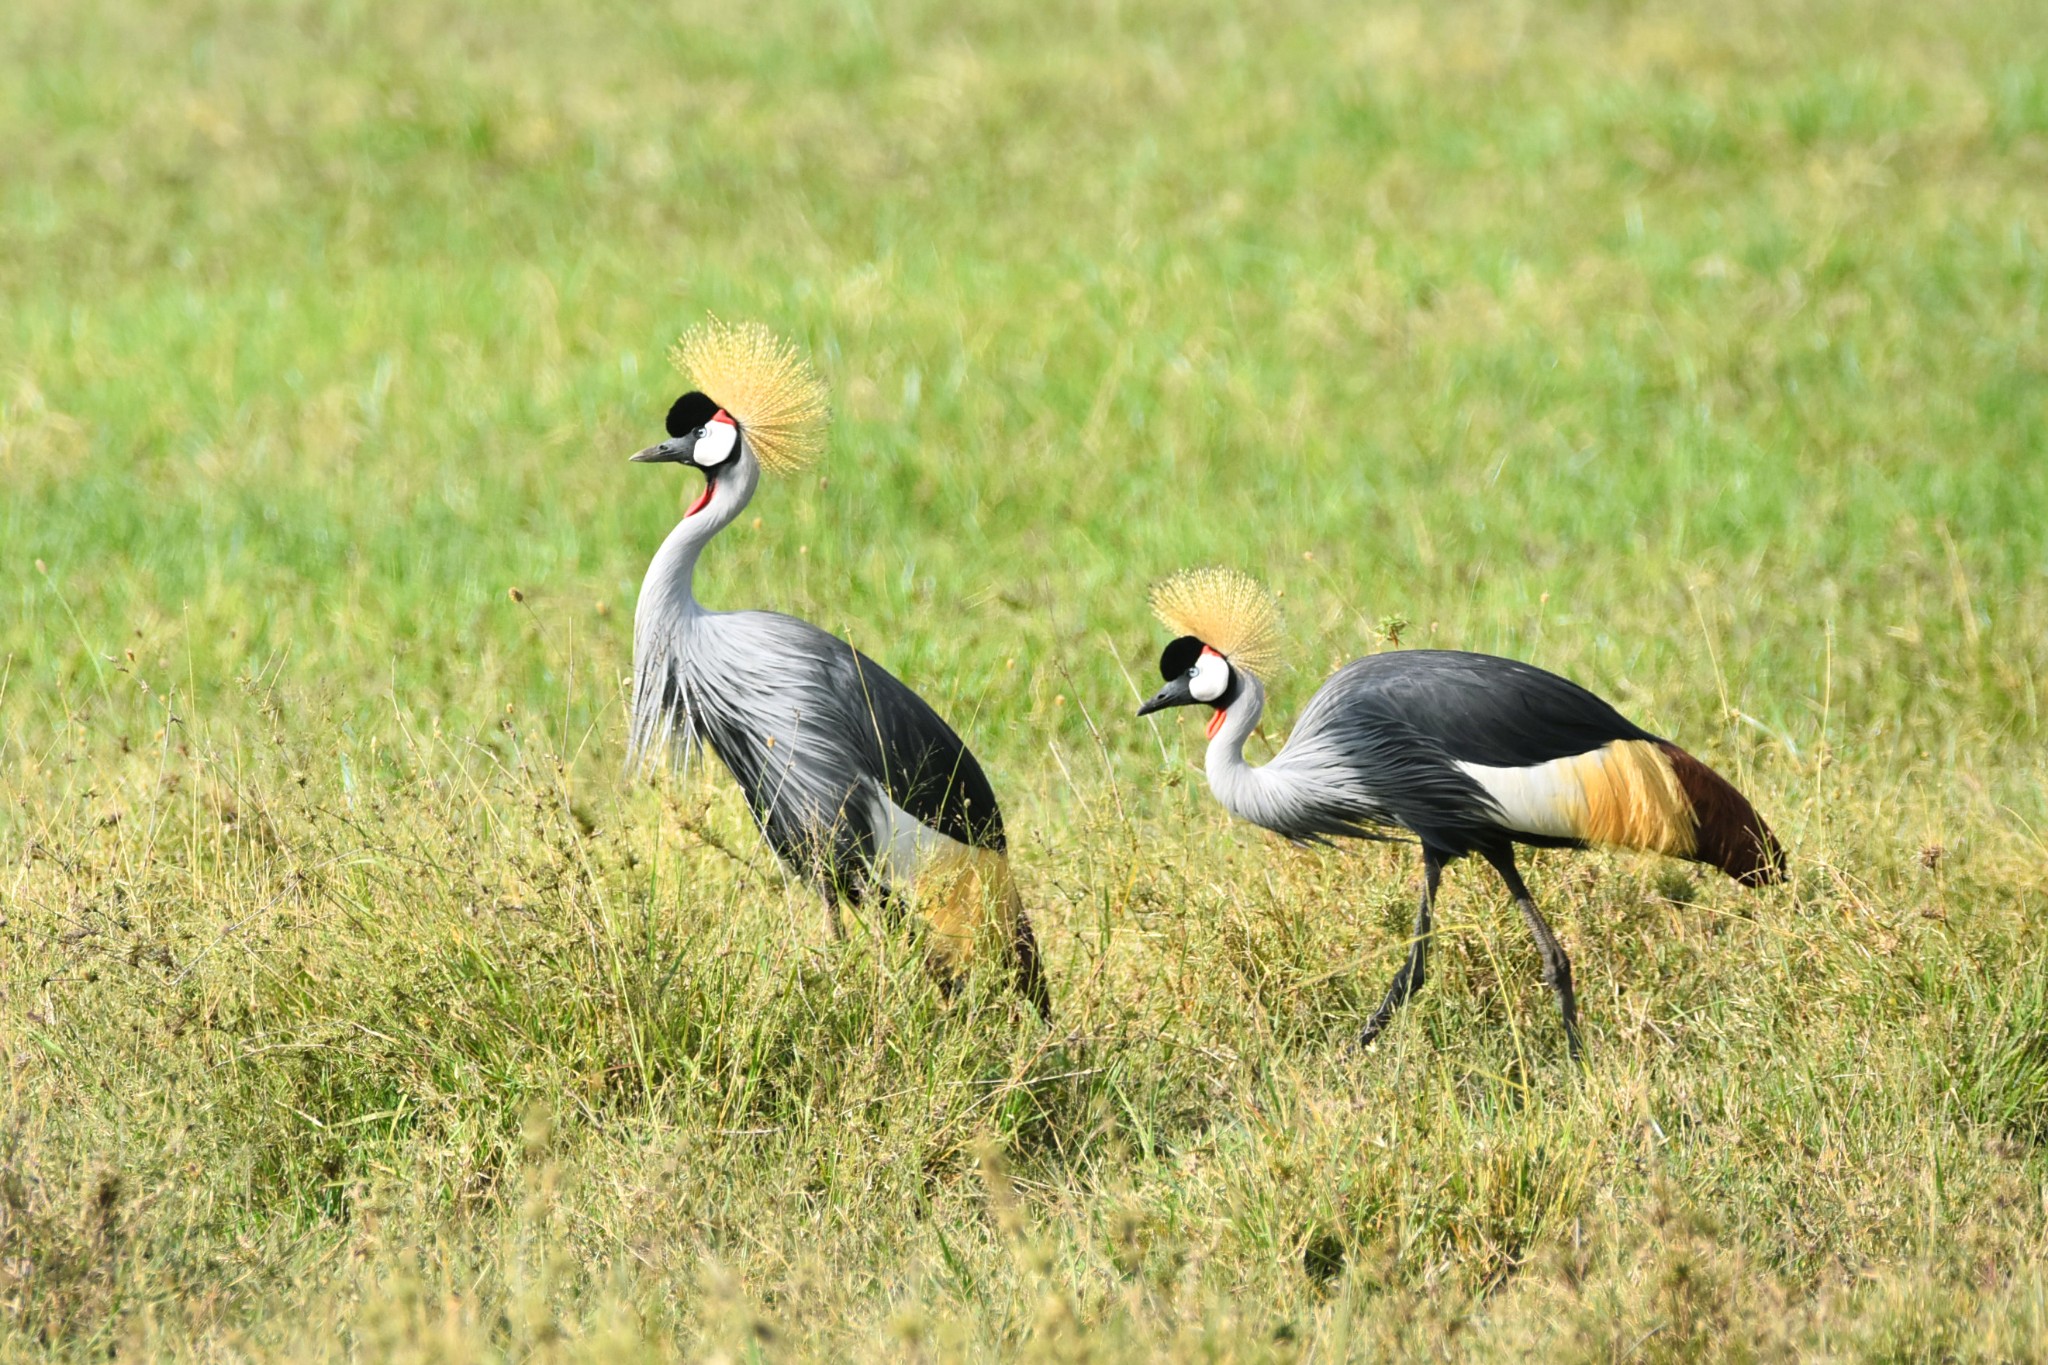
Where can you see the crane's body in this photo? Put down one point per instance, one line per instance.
(832, 754)
(1465, 750)
(1468, 753)
(859, 786)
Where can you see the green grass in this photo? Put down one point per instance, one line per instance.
(353, 1004)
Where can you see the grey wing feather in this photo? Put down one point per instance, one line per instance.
(814, 732)
(1352, 768)
(925, 767)
(1483, 709)
(661, 719)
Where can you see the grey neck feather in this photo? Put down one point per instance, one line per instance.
(668, 608)
(666, 593)
(1241, 787)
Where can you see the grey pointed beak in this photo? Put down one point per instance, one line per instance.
(1174, 693)
(668, 452)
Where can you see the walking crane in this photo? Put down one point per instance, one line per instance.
(858, 785)
(1466, 752)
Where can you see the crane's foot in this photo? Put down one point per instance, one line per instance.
(1415, 968)
(1572, 1044)
(1375, 1026)
(1414, 972)
(1557, 974)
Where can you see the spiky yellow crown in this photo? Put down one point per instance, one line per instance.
(1227, 611)
(759, 378)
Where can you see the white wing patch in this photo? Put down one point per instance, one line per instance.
(906, 846)
(956, 888)
(1624, 794)
(1547, 798)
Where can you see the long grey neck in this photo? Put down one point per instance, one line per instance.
(668, 606)
(1237, 784)
(667, 593)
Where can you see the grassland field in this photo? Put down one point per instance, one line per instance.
(356, 1004)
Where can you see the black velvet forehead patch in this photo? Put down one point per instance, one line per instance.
(1178, 657)
(691, 411)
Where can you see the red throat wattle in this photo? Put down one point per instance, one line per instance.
(702, 498)
(1216, 721)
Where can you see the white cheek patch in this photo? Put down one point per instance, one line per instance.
(1211, 678)
(716, 445)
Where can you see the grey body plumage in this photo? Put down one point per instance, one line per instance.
(803, 722)
(859, 786)
(1347, 770)
(1383, 743)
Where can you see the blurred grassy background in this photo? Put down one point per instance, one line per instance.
(351, 1001)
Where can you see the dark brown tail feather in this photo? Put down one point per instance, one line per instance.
(1732, 836)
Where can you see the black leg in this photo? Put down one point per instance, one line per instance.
(1557, 968)
(1415, 970)
(1030, 973)
(843, 876)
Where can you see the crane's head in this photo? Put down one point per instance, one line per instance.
(700, 434)
(769, 410)
(1228, 625)
(1195, 674)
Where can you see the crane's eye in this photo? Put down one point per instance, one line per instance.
(715, 443)
(1210, 677)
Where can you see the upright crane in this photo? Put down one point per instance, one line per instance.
(858, 785)
(1467, 752)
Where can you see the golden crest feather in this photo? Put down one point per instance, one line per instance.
(770, 390)
(1226, 610)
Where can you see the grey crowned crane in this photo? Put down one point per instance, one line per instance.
(1467, 752)
(858, 785)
